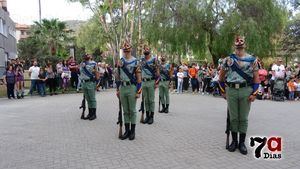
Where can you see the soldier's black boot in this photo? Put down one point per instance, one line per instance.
(151, 119)
(242, 146)
(127, 132)
(163, 109)
(147, 117)
(132, 132)
(93, 115)
(234, 143)
(89, 115)
(167, 108)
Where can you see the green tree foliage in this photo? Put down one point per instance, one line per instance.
(52, 33)
(48, 41)
(203, 28)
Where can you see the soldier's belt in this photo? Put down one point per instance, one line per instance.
(126, 83)
(238, 85)
(148, 79)
(89, 80)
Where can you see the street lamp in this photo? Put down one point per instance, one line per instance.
(40, 11)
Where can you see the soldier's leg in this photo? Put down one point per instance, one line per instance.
(91, 86)
(87, 98)
(244, 108)
(126, 111)
(132, 104)
(151, 101)
(146, 102)
(161, 97)
(146, 95)
(151, 90)
(167, 97)
(232, 103)
(132, 109)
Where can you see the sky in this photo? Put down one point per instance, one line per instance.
(27, 11)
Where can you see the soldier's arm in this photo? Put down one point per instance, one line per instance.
(117, 76)
(157, 72)
(97, 74)
(138, 75)
(222, 76)
(256, 82)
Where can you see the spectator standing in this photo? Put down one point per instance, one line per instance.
(207, 78)
(74, 72)
(291, 87)
(66, 75)
(193, 72)
(19, 80)
(9, 78)
(180, 76)
(59, 70)
(185, 71)
(34, 73)
(51, 79)
(42, 82)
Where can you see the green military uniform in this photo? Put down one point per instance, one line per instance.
(88, 77)
(128, 87)
(238, 91)
(128, 90)
(149, 76)
(239, 79)
(164, 86)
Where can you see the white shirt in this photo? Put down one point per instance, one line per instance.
(180, 75)
(298, 87)
(34, 70)
(279, 71)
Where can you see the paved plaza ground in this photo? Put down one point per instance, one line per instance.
(42, 133)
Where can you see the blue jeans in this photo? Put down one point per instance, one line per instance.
(42, 89)
(33, 86)
(291, 95)
(179, 86)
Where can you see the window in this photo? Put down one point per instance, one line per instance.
(1, 26)
(12, 31)
(4, 28)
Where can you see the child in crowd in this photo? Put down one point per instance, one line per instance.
(66, 75)
(180, 76)
(291, 87)
(42, 82)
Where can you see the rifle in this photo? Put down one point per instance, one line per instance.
(142, 109)
(227, 129)
(158, 104)
(120, 119)
(83, 107)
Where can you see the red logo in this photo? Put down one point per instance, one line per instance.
(273, 146)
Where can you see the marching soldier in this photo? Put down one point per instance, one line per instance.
(150, 74)
(88, 77)
(241, 72)
(165, 82)
(129, 89)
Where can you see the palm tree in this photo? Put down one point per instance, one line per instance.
(52, 33)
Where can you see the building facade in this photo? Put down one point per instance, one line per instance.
(22, 31)
(8, 44)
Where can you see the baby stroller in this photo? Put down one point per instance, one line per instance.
(278, 90)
